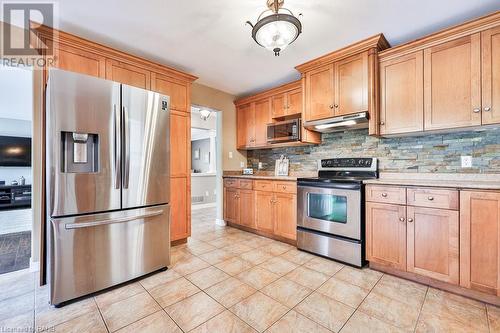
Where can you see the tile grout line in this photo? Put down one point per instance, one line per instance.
(102, 317)
(421, 308)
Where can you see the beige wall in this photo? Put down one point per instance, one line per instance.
(215, 99)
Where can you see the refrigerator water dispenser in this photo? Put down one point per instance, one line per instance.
(80, 152)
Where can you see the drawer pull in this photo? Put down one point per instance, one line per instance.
(430, 198)
(410, 220)
(402, 219)
(284, 187)
(384, 195)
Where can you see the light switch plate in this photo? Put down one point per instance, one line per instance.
(466, 161)
(230, 154)
(260, 165)
(242, 164)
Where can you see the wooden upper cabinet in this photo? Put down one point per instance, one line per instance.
(128, 74)
(264, 217)
(480, 241)
(351, 85)
(386, 234)
(245, 122)
(433, 243)
(285, 211)
(452, 84)
(176, 89)
(279, 105)
(402, 94)
(262, 118)
(247, 208)
(491, 75)
(76, 60)
(180, 134)
(294, 102)
(320, 93)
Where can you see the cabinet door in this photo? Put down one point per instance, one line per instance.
(294, 102)
(177, 90)
(402, 94)
(279, 105)
(75, 60)
(262, 111)
(351, 85)
(386, 234)
(432, 243)
(319, 93)
(180, 134)
(285, 215)
(128, 74)
(245, 126)
(491, 75)
(480, 241)
(231, 204)
(247, 208)
(180, 227)
(452, 84)
(264, 204)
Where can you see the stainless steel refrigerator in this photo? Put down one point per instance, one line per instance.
(107, 184)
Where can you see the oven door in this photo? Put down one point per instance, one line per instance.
(330, 210)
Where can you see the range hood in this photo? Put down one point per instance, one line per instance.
(338, 124)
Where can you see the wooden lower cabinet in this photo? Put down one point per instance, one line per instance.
(247, 208)
(231, 204)
(433, 243)
(386, 234)
(480, 241)
(285, 215)
(264, 205)
(179, 206)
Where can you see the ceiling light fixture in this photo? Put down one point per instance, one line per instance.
(276, 27)
(205, 114)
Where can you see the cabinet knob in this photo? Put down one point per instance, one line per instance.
(382, 123)
(476, 110)
(402, 219)
(284, 187)
(487, 109)
(336, 105)
(410, 220)
(331, 106)
(384, 195)
(430, 198)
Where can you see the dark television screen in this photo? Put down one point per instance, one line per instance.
(15, 151)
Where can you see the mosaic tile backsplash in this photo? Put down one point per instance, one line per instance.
(436, 153)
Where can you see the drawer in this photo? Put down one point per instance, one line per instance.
(433, 198)
(264, 185)
(386, 194)
(231, 182)
(285, 187)
(246, 184)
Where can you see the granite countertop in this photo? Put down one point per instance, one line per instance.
(269, 175)
(455, 180)
(291, 178)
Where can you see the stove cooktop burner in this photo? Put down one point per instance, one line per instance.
(344, 170)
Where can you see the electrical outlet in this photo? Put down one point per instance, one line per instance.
(466, 161)
(230, 154)
(242, 164)
(260, 165)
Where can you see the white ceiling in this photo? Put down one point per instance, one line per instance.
(209, 38)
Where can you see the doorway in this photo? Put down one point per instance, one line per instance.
(16, 173)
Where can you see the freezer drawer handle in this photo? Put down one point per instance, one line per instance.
(111, 221)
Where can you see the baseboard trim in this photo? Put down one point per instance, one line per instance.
(220, 222)
(34, 266)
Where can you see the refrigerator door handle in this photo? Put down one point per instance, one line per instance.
(111, 221)
(126, 142)
(117, 155)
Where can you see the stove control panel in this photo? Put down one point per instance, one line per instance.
(348, 163)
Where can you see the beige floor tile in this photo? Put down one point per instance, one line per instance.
(307, 277)
(230, 292)
(179, 255)
(194, 311)
(41, 296)
(174, 291)
(363, 323)
(49, 316)
(17, 305)
(391, 311)
(325, 311)
(364, 278)
(454, 300)
(16, 283)
(157, 322)
(401, 290)
(226, 322)
(255, 257)
(118, 294)
(259, 311)
(222, 242)
(294, 322)
(217, 256)
(88, 323)
(237, 248)
(190, 265)
(278, 266)
(257, 277)
(297, 257)
(206, 236)
(325, 266)
(19, 323)
(493, 318)
(344, 292)
(127, 311)
(199, 248)
(207, 277)
(276, 248)
(162, 277)
(286, 292)
(234, 266)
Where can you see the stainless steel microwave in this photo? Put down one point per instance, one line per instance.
(284, 131)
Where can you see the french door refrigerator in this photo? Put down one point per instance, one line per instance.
(107, 184)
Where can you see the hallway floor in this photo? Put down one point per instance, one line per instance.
(226, 280)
